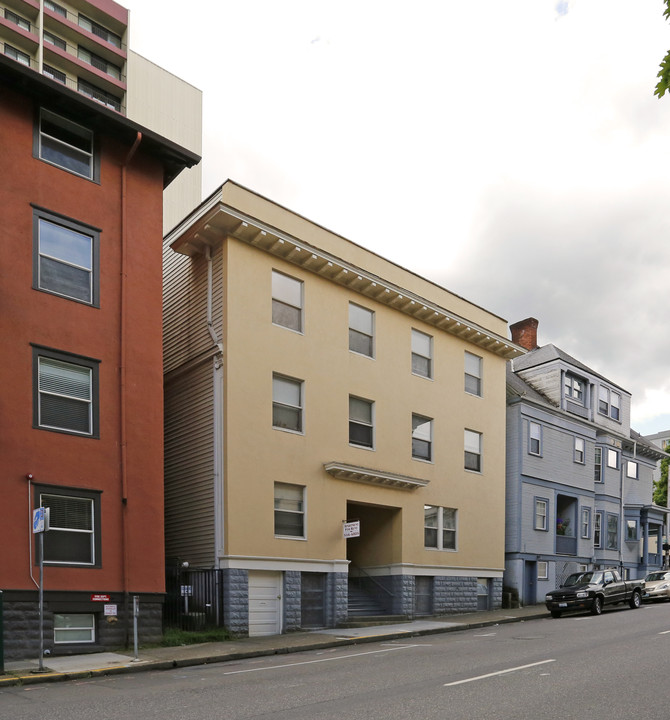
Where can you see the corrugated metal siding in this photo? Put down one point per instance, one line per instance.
(189, 467)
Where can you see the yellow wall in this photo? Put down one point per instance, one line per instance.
(256, 455)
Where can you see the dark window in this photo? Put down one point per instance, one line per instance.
(65, 392)
(361, 426)
(74, 522)
(287, 403)
(54, 74)
(65, 257)
(289, 510)
(99, 31)
(17, 19)
(66, 144)
(99, 95)
(312, 599)
(422, 437)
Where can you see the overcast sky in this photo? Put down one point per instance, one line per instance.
(512, 152)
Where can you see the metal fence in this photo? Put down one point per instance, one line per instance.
(194, 599)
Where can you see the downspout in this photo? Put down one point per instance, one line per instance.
(217, 410)
(40, 47)
(123, 459)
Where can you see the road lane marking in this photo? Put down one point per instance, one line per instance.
(665, 632)
(499, 672)
(322, 660)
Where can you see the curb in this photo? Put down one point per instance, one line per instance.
(30, 678)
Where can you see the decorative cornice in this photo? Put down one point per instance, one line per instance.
(342, 471)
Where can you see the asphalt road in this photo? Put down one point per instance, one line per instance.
(579, 666)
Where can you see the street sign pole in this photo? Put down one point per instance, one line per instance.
(41, 603)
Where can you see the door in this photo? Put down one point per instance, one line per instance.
(529, 583)
(264, 602)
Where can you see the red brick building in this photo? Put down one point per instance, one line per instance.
(81, 403)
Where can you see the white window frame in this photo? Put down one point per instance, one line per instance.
(574, 389)
(447, 522)
(279, 302)
(301, 511)
(422, 434)
(357, 329)
(598, 466)
(473, 381)
(612, 459)
(360, 422)
(278, 404)
(580, 450)
(598, 529)
(542, 570)
(541, 516)
(87, 625)
(534, 436)
(632, 470)
(585, 524)
(609, 403)
(422, 354)
(473, 438)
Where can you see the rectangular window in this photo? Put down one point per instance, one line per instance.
(439, 527)
(286, 301)
(534, 438)
(17, 55)
(65, 258)
(66, 144)
(71, 539)
(99, 95)
(422, 438)
(99, 63)
(17, 20)
(361, 330)
(361, 422)
(631, 530)
(541, 514)
(54, 74)
(631, 469)
(74, 628)
(597, 530)
(542, 570)
(615, 406)
(54, 39)
(574, 389)
(612, 532)
(598, 465)
(612, 459)
(579, 450)
(473, 450)
(289, 510)
(287, 403)
(65, 392)
(422, 354)
(99, 31)
(473, 374)
(609, 403)
(586, 522)
(55, 7)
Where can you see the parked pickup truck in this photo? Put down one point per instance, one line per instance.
(592, 591)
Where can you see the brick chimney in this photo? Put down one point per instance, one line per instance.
(524, 333)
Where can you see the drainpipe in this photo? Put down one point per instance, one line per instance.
(123, 460)
(217, 410)
(40, 47)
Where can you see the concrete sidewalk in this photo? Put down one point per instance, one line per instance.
(73, 667)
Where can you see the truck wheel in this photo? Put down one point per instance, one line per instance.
(635, 600)
(597, 606)
(555, 613)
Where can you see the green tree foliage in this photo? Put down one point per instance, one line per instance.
(661, 485)
(664, 73)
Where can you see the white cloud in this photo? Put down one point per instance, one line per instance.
(512, 151)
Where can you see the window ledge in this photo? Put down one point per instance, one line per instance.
(342, 471)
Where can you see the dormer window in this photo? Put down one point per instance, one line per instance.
(574, 389)
(609, 403)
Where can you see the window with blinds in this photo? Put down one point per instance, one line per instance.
(70, 538)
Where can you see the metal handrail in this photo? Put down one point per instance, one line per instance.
(369, 577)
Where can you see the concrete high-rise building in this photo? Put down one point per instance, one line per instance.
(84, 46)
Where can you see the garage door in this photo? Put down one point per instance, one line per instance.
(264, 602)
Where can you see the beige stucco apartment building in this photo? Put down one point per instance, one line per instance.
(314, 391)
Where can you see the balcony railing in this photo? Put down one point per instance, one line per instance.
(566, 545)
